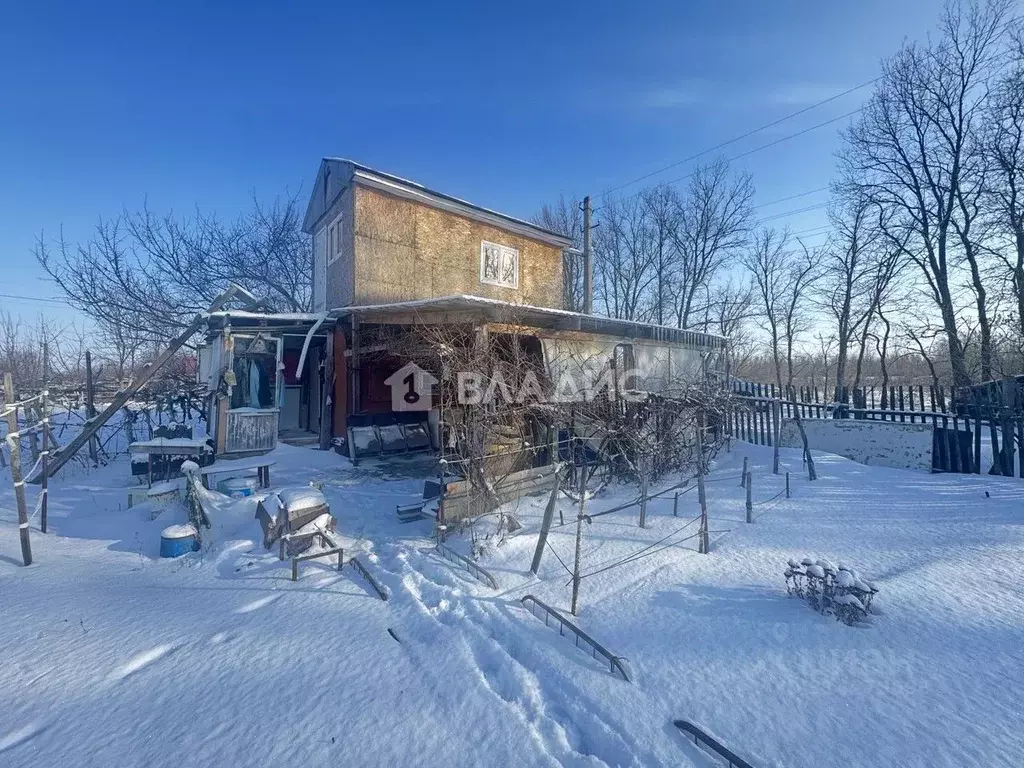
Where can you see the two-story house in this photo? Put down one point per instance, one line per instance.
(390, 254)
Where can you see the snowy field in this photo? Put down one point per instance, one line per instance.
(112, 656)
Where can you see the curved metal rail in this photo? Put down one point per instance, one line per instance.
(477, 572)
(377, 586)
(596, 649)
(702, 739)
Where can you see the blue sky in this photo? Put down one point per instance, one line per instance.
(104, 105)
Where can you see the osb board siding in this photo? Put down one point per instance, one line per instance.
(406, 251)
(340, 283)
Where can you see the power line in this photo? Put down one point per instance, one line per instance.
(761, 148)
(733, 140)
(784, 214)
(790, 197)
(766, 126)
(31, 298)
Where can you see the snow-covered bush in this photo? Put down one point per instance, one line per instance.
(830, 589)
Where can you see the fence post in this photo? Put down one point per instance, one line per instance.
(702, 547)
(579, 540)
(19, 484)
(90, 408)
(777, 419)
(44, 412)
(787, 485)
(675, 506)
(545, 526)
(743, 477)
(750, 506)
(643, 501)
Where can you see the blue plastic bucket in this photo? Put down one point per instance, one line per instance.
(238, 487)
(178, 540)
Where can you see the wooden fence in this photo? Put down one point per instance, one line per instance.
(958, 420)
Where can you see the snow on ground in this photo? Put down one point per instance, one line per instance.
(111, 656)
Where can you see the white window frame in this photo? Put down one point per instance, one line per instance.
(334, 233)
(505, 253)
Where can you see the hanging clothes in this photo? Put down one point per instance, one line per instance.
(254, 384)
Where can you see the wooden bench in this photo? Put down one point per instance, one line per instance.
(260, 464)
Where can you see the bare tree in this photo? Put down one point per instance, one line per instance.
(847, 289)
(566, 218)
(624, 259)
(663, 207)
(782, 280)
(146, 276)
(910, 154)
(713, 225)
(1002, 146)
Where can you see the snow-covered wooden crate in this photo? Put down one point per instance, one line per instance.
(288, 510)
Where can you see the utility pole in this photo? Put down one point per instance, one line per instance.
(588, 268)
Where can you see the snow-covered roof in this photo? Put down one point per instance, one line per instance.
(411, 190)
(540, 316)
(302, 321)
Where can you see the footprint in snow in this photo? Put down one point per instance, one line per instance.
(23, 734)
(255, 605)
(141, 661)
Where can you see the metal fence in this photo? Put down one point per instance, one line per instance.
(958, 421)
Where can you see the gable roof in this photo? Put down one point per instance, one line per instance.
(353, 172)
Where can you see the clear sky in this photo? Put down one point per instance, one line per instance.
(103, 105)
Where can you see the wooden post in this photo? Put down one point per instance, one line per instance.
(327, 395)
(777, 419)
(579, 540)
(643, 501)
(545, 525)
(787, 485)
(750, 505)
(702, 544)
(354, 384)
(675, 506)
(743, 477)
(19, 485)
(44, 410)
(90, 408)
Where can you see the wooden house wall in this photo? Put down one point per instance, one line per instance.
(406, 250)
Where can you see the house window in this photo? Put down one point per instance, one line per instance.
(499, 265)
(334, 241)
